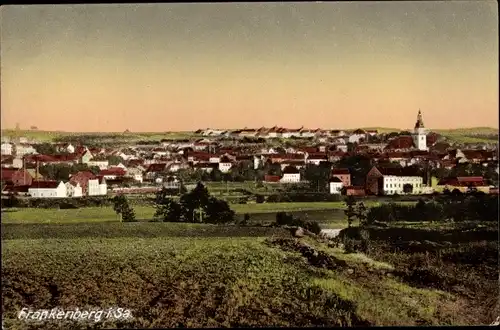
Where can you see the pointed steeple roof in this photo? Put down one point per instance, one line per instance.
(420, 122)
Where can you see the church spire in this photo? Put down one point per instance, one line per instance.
(420, 122)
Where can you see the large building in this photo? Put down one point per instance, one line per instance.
(419, 133)
(390, 181)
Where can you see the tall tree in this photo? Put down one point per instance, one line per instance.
(122, 207)
(166, 208)
(193, 203)
(350, 210)
(45, 148)
(358, 165)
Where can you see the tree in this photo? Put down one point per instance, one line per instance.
(218, 211)
(407, 188)
(128, 214)
(166, 208)
(362, 214)
(350, 211)
(259, 199)
(246, 218)
(215, 175)
(58, 172)
(193, 203)
(122, 207)
(318, 176)
(45, 149)
(114, 160)
(421, 210)
(358, 165)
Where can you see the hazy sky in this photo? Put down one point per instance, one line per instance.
(160, 67)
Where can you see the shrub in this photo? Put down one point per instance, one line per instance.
(284, 219)
(260, 199)
(313, 227)
(68, 205)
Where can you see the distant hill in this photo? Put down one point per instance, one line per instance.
(460, 135)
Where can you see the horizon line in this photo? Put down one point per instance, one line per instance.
(232, 129)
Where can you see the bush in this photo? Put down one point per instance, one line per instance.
(471, 207)
(68, 205)
(313, 227)
(284, 219)
(260, 199)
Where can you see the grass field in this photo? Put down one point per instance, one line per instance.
(193, 275)
(327, 214)
(48, 136)
(104, 214)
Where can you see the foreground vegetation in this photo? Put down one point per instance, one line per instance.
(436, 268)
(106, 213)
(197, 275)
(167, 283)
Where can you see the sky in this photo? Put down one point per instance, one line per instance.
(184, 66)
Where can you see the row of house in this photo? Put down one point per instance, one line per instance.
(281, 132)
(21, 181)
(391, 181)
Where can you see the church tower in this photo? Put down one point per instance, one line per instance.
(419, 133)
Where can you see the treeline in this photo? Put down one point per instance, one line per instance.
(68, 202)
(286, 219)
(60, 203)
(196, 206)
(62, 172)
(465, 207)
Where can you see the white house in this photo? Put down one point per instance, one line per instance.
(256, 162)
(225, 164)
(17, 162)
(6, 149)
(25, 149)
(356, 138)
(70, 148)
(47, 189)
(97, 187)
(135, 173)
(290, 175)
(73, 189)
(214, 159)
(395, 184)
(335, 185)
(103, 187)
(102, 164)
(342, 147)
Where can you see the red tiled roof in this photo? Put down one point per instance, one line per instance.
(10, 188)
(340, 171)
(113, 171)
(6, 174)
(286, 156)
(44, 184)
(456, 182)
(225, 159)
(309, 149)
(404, 171)
(290, 170)
(401, 142)
(317, 155)
(470, 179)
(205, 165)
(355, 188)
(156, 168)
(431, 139)
(272, 178)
